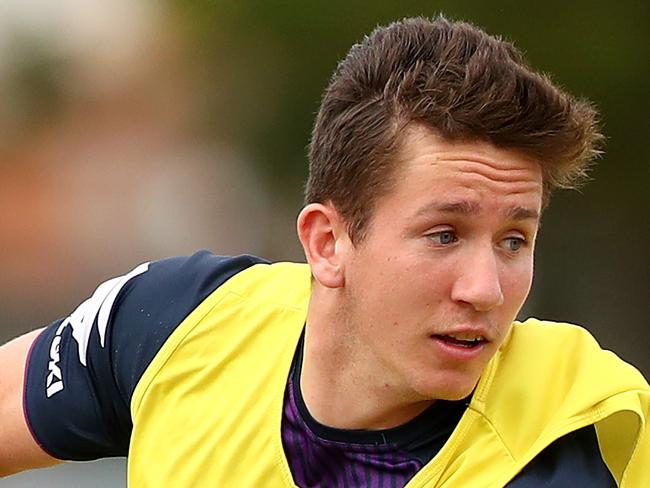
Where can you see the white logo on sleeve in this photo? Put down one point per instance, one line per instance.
(98, 307)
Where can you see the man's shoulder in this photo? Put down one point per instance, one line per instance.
(163, 292)
(558, 378)
(183, 282)
(114, 337)
(281, 283)
(201, 268)
(550, 379)
(204, 268)
(557, 349)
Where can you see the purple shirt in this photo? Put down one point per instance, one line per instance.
(321, 456)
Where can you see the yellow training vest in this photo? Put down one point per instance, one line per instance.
(207, 412)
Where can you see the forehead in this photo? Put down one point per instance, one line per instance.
(472, 172)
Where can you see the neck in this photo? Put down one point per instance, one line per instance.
(341, 382)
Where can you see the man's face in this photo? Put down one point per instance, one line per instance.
(445, 266)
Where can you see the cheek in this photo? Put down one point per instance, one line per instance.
(516, 284)
(396, 290)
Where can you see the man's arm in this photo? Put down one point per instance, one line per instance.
(67, 391)
(18, 448)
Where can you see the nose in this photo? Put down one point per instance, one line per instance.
(478, 283)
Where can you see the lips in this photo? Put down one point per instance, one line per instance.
(457, 348)
(468, 341)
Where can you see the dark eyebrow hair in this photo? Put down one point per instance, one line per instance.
(522, 213)
(466, 207)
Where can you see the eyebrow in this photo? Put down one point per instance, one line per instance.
(522, 213)
(466, 207)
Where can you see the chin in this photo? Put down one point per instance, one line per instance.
(450, 390)
(455, 395)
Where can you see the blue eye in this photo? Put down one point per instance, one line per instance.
(444, 237)
(514, 244)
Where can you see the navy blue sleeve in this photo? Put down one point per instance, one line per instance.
(82, 370)
(572, 460)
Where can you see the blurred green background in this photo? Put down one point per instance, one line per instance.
(134, 130)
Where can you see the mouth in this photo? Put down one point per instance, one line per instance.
(461, 340)
(460, 346)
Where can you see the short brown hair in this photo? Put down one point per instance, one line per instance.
(454, 79)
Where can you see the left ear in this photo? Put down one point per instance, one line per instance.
(324, 238)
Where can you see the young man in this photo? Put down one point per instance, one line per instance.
(391, 359)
